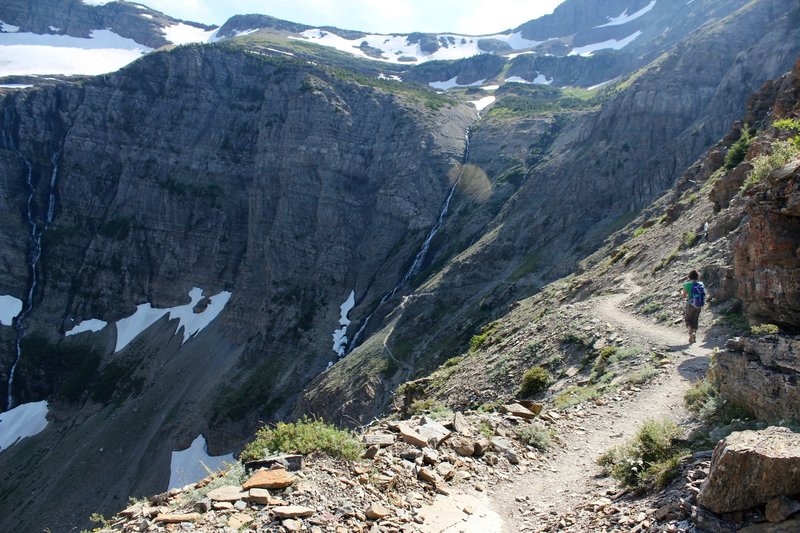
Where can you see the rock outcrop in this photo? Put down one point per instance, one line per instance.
(767, 254)
(751, 468)
(761, 374)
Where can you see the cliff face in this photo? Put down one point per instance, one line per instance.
(269, 178)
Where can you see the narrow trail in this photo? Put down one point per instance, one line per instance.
(569, 477)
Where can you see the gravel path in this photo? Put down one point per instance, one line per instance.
(570, 477)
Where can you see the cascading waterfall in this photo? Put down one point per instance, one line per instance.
(35, 243)
(420, 257)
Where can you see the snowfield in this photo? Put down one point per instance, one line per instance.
(192, 323)
(10, 307)
(340, 335)
(26, 54)
(92, 325)
(24, 420)
(193, 464)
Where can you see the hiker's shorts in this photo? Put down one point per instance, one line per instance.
(691, 315)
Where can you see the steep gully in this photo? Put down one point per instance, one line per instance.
(570, 477)
(35, 248)
(416, 266)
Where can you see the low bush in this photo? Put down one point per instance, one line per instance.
(781, 153)
(534, 381)
(304, 436)
(764, 329)
(650, 458)
(535, 436)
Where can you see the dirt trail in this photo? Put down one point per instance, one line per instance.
(570, 476)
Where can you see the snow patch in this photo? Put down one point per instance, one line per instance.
(146, 15)
(24, 420)
(397, 49)
(613, 44)
(97, 2)
(624, 18)
(540, 79)
(490, 87)
(193, 464)
(14, 86)
(451, 83)
(30, 53)
(340, 335)
(10, 307)
(184, 34)
(94, 325)
(8, 28)
(483, 103)
(245, 32)
(281, 52)
(192, 323)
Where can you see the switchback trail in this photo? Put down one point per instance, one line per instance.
(569, 476)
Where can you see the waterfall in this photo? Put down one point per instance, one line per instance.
(416, 266)
(35, 244)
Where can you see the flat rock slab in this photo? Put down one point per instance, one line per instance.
(379, 439)
(292, 511)
(275, 478)
(411, 436)
(516, 409)
(228, 493)
(750, 468)
(178, 518)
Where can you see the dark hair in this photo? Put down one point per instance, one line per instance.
(694, 275)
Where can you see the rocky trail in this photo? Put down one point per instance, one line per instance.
(569, 477)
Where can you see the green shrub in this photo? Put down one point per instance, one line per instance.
(304, 436)
(792, 126)
(649, 458)
(781, 152)
(690, 238)
(764, 329)
(534, 381)
(701, 397)
(738, 151)
(638, 232)
(534, 435)
(642, 375)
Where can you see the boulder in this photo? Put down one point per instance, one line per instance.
(376, 511)
(276, 478)
(463, 446)
(750, 468)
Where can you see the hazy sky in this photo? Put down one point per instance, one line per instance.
(400, 16)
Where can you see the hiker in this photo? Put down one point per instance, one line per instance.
(695, 293)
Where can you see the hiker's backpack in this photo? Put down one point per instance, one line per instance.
(698, 296)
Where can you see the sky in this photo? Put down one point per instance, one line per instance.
(471, 17)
